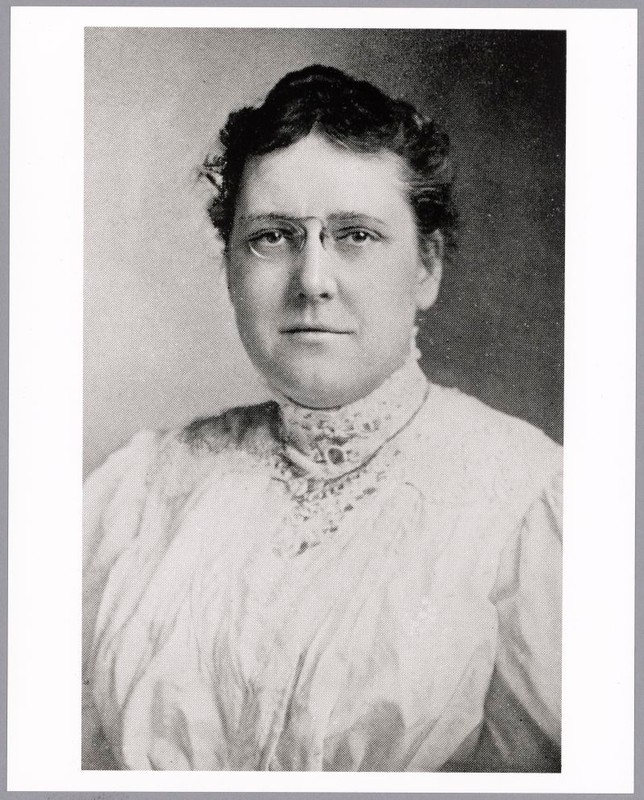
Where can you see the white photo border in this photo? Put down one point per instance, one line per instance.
(45, 440)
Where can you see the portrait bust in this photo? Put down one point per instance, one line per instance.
(361, 570)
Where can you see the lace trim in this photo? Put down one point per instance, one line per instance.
(327, 444)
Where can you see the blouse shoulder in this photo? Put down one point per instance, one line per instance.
(236, 427)
(172, 461)
(484, 452)
(227, 442)
(153, 473)
(487, 428)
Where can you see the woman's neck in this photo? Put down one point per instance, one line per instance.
(329, 442)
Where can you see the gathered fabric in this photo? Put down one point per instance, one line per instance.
(376, 587)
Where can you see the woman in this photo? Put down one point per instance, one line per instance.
(363, 574)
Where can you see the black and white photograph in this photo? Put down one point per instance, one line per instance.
(359, 568)
(322, 380)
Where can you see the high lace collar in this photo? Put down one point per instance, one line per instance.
(328, 443)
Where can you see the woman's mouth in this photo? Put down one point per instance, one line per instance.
(314, 333)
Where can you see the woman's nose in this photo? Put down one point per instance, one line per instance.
(314, 280)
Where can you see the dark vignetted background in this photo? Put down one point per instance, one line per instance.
(160, 344)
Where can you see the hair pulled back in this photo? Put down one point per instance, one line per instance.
(351, 113)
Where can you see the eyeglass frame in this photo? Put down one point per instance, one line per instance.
(350, 224)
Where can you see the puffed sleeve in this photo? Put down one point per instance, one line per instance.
(113, 499)
(522, 724)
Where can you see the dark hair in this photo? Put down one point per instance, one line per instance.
(352, 113)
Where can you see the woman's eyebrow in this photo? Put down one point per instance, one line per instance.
(268, 217)
(356, 218)
(353, 217)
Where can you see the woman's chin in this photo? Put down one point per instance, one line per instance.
(320, 378)
(318, 390)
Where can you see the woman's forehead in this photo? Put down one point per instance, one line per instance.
(315, 178)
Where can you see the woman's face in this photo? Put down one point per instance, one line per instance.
(324, 270)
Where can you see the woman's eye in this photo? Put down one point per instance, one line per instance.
(270, 238)
(357, 236)
(271, 243)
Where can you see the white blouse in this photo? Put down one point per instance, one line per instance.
(371, 588)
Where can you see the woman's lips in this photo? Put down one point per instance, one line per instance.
(313, 333)
(314, 329)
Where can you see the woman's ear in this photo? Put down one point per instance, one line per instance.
(430, 270)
